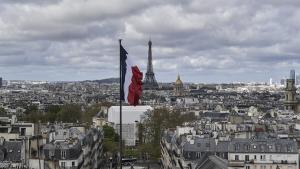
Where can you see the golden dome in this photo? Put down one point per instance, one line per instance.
(178, 81)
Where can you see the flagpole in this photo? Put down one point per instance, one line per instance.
(121, 88)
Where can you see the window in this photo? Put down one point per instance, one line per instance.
(189, 155)
(237, 146)
(63, 154)
(51, 153)
(263, 167)
(236, 157)
(63, 164)
(278, 147)
(247, 167)
(207, 144)
(198, 144)
(73, 163)
(254, 157)
(247, 158)
(289, 148)
(248, 147)
(263, 157)
(23, 131)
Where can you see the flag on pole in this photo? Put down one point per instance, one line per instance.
(131, 86)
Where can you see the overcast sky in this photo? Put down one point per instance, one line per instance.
(202, 40)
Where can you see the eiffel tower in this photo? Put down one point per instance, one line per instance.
(150, 81)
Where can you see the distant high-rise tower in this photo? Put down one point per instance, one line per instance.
(0, 82)
(298, 79)
(290, 101)
(150, 81)
(292, 74)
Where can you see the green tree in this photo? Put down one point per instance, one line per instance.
(51, 114)
(2, 111)
(109, 132)
(34, 117)
(30, 109)
(131, 152)
(110, 144)
(155, 123)
(70, 113)
(90, 112)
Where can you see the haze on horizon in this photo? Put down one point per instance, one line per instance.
(203, 41)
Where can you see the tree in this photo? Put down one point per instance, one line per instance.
(155, 123)
(110, 147)
(30, 109)
(32, 114)
(110, 144)
(90, 112)
(2, 111)
(131, 152)
(51, 114)
(109, 132)
(70, 113)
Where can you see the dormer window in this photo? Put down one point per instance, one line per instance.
(247, 147)
(51, 153)
(289, 148)
(63, 154)
(237, 146)
(278, 147)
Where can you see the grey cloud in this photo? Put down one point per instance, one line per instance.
(194, 37)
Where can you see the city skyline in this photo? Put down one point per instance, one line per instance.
(210, 42)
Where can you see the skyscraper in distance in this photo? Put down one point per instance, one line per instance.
(298, 79)
(292, 74)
